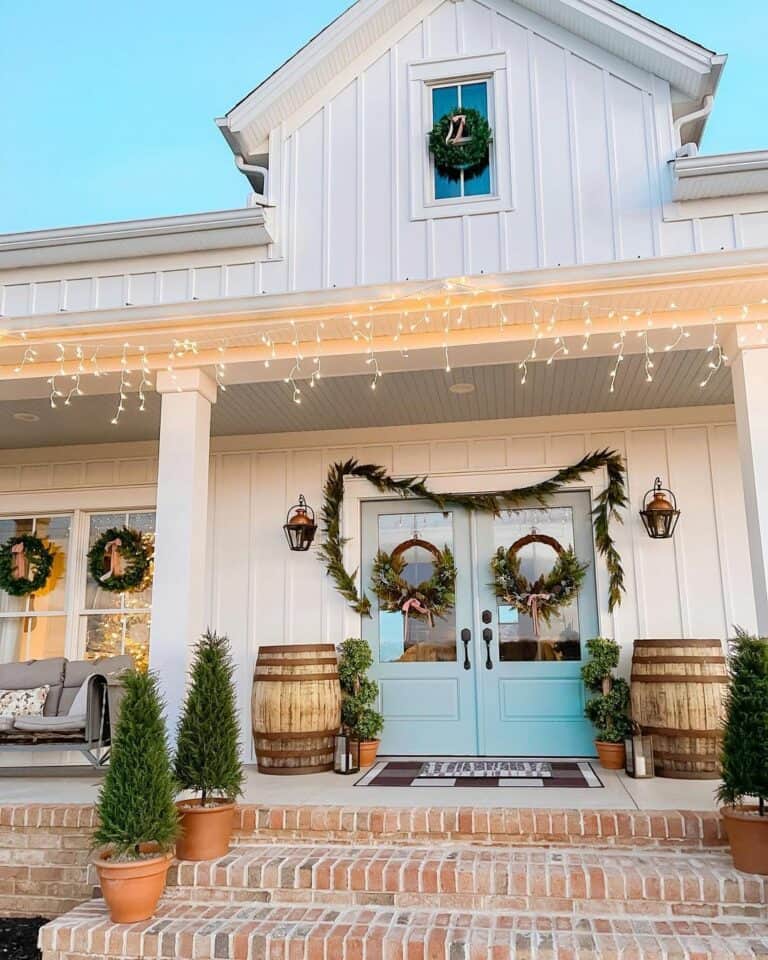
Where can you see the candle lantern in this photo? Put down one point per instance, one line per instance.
(346, 754)
(300, 526)
(639, 755)
(659, 513)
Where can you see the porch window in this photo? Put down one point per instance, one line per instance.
(462, 183)
(35, 627)
(116, 623)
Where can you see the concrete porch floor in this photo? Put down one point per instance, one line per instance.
(619, 793)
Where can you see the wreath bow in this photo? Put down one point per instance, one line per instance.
(20, 569)
(112, 554)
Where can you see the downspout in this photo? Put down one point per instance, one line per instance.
(249, 170)
(691, 149)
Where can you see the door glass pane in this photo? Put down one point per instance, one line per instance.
(410, 637)
(112, 634)
(32, 638)
(520, 637)
(10, 527)
(96, 597)
(55, 532)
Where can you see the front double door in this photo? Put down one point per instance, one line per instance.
(483, 679)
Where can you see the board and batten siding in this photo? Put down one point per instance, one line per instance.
(696, 585)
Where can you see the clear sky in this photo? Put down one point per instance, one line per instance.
(107, 108)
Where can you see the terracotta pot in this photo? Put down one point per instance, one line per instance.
(205, 831)
(368, 751)
(612, 756)
(132, 888)
(748, 836)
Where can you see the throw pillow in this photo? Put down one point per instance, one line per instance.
(23, 703)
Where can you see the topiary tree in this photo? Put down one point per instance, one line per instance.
(358, 692)
(208, 748)
(744, 757)
(136, 801)
(608, 708)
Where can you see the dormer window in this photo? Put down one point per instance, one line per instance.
(460, 91)
(474, 182)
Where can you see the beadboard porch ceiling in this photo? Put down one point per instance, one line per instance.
(401, 398)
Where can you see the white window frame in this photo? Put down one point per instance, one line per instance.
(423, 76)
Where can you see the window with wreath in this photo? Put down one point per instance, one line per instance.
(458, 111)
(113, 623)
(35, 625)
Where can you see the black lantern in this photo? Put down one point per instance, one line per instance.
(640, 763)
(346, 754)
(660, 513)
(300, 526)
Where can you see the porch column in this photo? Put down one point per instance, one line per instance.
(750, 393)
(178, 596)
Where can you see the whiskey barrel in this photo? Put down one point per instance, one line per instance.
(295, 708)
(678, 692)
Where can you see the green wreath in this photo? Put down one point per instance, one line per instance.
(135, 555)
(476, 134)
(550, 592)
(35, 558)
(425, 601)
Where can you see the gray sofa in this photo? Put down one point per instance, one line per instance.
(82, 703)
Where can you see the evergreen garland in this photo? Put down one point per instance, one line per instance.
(40, 558)
(562, 583)
(436, 595)
(135, 550)
(136, 801)
(744, 758)
(207, 749)
(452, 157)
(608, 503)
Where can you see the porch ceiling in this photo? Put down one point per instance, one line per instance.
(408, 397)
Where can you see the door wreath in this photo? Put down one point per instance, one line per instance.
(425, 601)
(25, 565)
(119, 560)
(549, 593)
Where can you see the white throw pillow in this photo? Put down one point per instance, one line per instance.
(80, 703)
(23, 703)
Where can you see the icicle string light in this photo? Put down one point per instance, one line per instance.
(717, 356)
(124, 385)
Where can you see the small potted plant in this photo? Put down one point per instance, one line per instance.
(744, 758)
(208, 753)
(358, 692)
(608, 707)
(138, 820)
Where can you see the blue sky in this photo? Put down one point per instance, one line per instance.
(107, 108)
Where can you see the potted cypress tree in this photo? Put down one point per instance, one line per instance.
(208, 753)
(608, 707)
(358, 692)
(138, 820)
(744, 756)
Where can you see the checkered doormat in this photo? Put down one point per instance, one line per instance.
(500, 772)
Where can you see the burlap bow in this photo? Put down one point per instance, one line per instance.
(112, 554)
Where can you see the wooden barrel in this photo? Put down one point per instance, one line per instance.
(678, 691)
(295, 708)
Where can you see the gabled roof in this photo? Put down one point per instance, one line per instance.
(691, 69)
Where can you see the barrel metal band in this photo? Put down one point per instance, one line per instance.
(282, 662)
(677, 732)
(678, 678)
(293, 677)
(654, 644)
(657, 660)
(307, 735)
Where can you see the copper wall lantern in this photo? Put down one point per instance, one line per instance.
(660, 513)
(300, 526)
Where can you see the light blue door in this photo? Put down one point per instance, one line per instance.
(426, 694)
(531, 695)
(482, 681)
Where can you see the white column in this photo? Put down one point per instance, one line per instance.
(750, 393)
(178, 595)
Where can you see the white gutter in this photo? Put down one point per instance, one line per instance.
(691, 148)
(253, 170)
(219, 229)
(721, 175)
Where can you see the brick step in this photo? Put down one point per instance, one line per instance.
(190, 930)
(475, 877)
(609, 828)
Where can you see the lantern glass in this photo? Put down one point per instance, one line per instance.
(300, 526)
(659, 513)
(640, 756)
(346, 754)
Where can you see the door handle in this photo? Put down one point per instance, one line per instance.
(488, 636)
(466, 637)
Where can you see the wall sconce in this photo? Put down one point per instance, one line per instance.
(659, 513)
(346, 754)
(300, 526)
